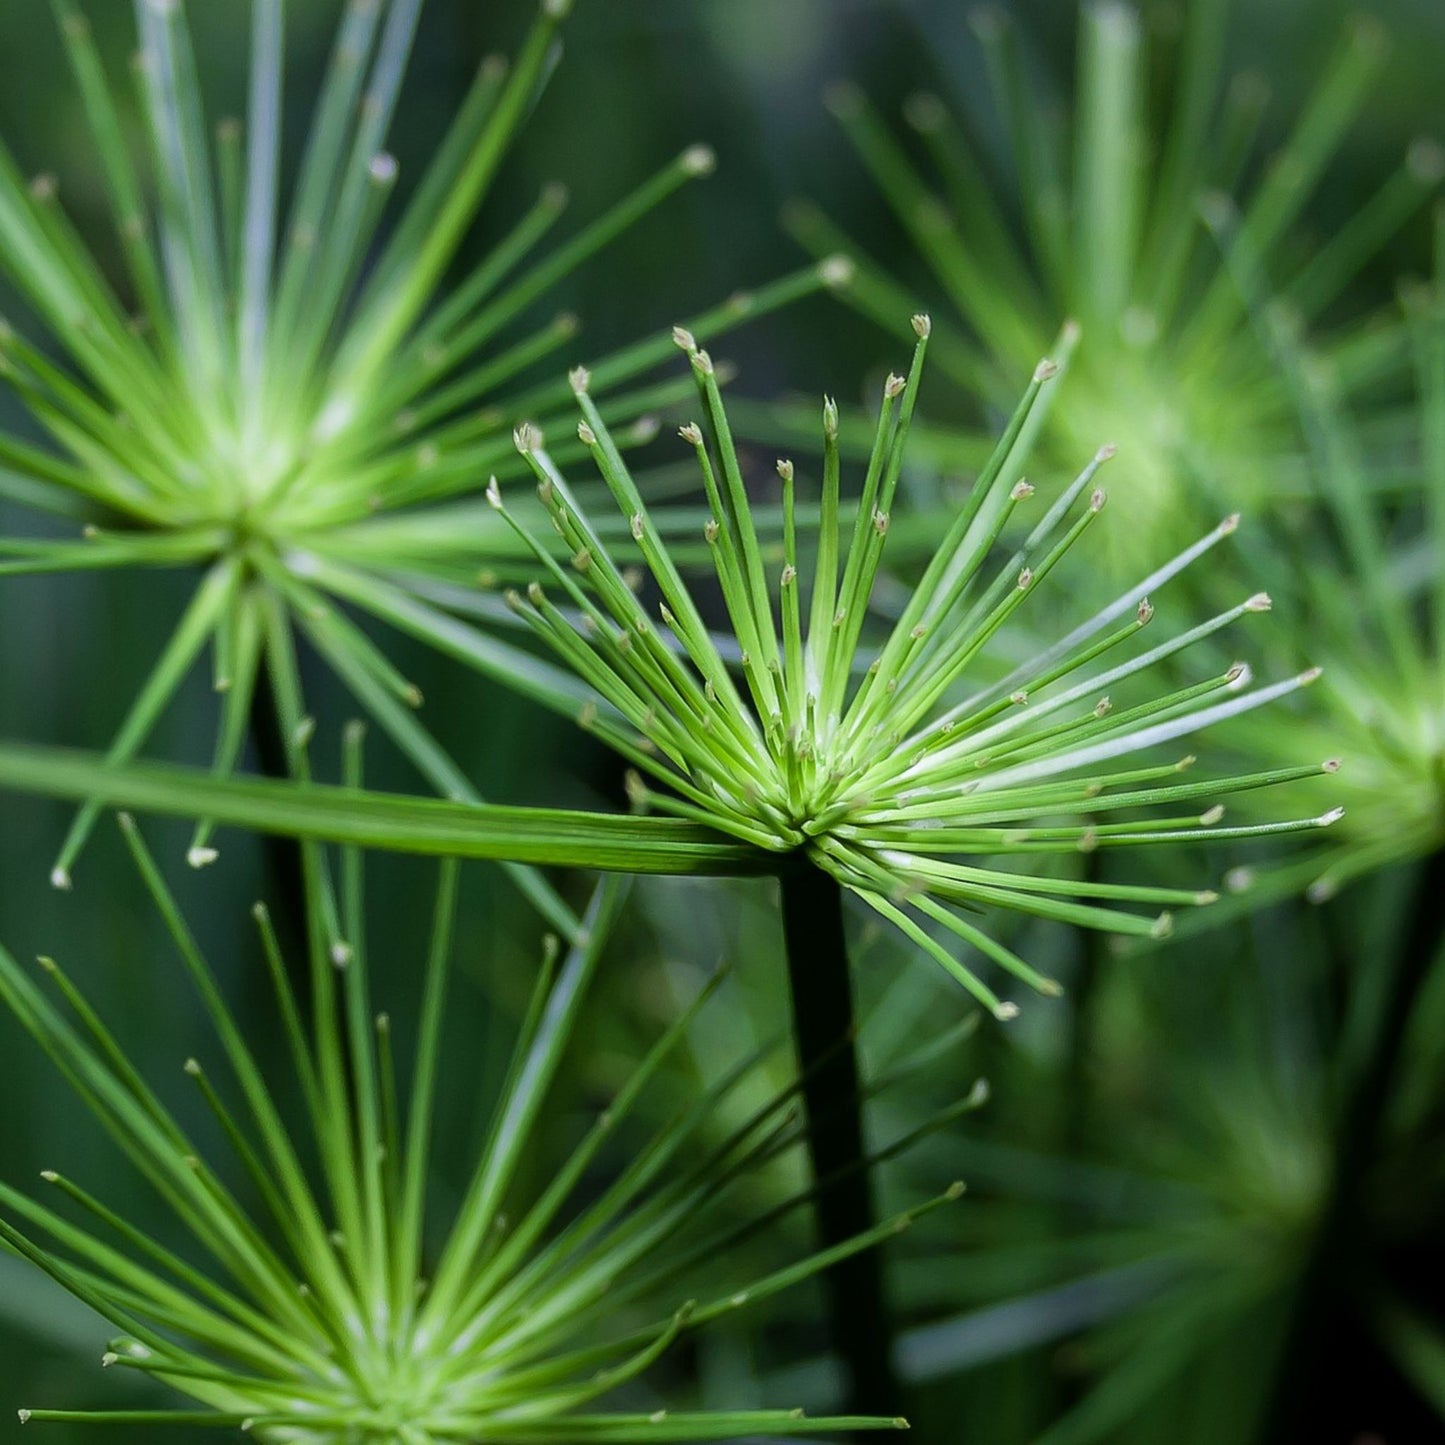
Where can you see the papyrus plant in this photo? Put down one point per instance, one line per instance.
(305, 1289)
(284, 392)
(1096, 221)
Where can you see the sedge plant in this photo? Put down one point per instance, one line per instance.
(1095, 222)
(282, 393)
(304, 1289)
(887, 776)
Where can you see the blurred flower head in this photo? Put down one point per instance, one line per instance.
(1102, 226)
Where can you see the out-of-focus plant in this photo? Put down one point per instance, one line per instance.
(1364, 582)
(333, 1309)
(1097, 228)
(279, 391)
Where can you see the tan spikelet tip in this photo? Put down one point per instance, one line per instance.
(699, 160)
(922, 326)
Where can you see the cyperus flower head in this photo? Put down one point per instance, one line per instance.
(917, 770)
(306, 1298)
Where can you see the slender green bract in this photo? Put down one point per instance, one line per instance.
(333, 1308)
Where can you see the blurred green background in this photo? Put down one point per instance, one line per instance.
(1145, 1183)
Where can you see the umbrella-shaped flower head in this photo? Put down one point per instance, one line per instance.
(928, 769)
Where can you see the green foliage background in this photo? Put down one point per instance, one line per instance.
(1199, 1076)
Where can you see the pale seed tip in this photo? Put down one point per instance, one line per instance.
(60, 879)
(579, 379)
(24, 1416)
(699, 160)
(1004, 1012)
(1145, 611)
(1229, 524)
(691, 433)
(201, 857)
(1333, 816)
(1211, 816)
(1309, 675)
(384, 168)
(1045, 370)
(1330, 765)
(50, 1176)
(954, 1190)
(527, 438)
(1106, 452)
(1097, 499)
(893, 387)
(684, 339)
(1163, 926)
(1425, 160)
(922, 326)
(1260, 602)
(1206, 897)
(1239, 880)
(1021, 490)
(837, 272)
(785, 469)
(494, 494)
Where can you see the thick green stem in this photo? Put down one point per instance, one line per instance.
(824, 1031)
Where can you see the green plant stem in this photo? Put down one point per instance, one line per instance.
(824, 1031)
(1333, 1382)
